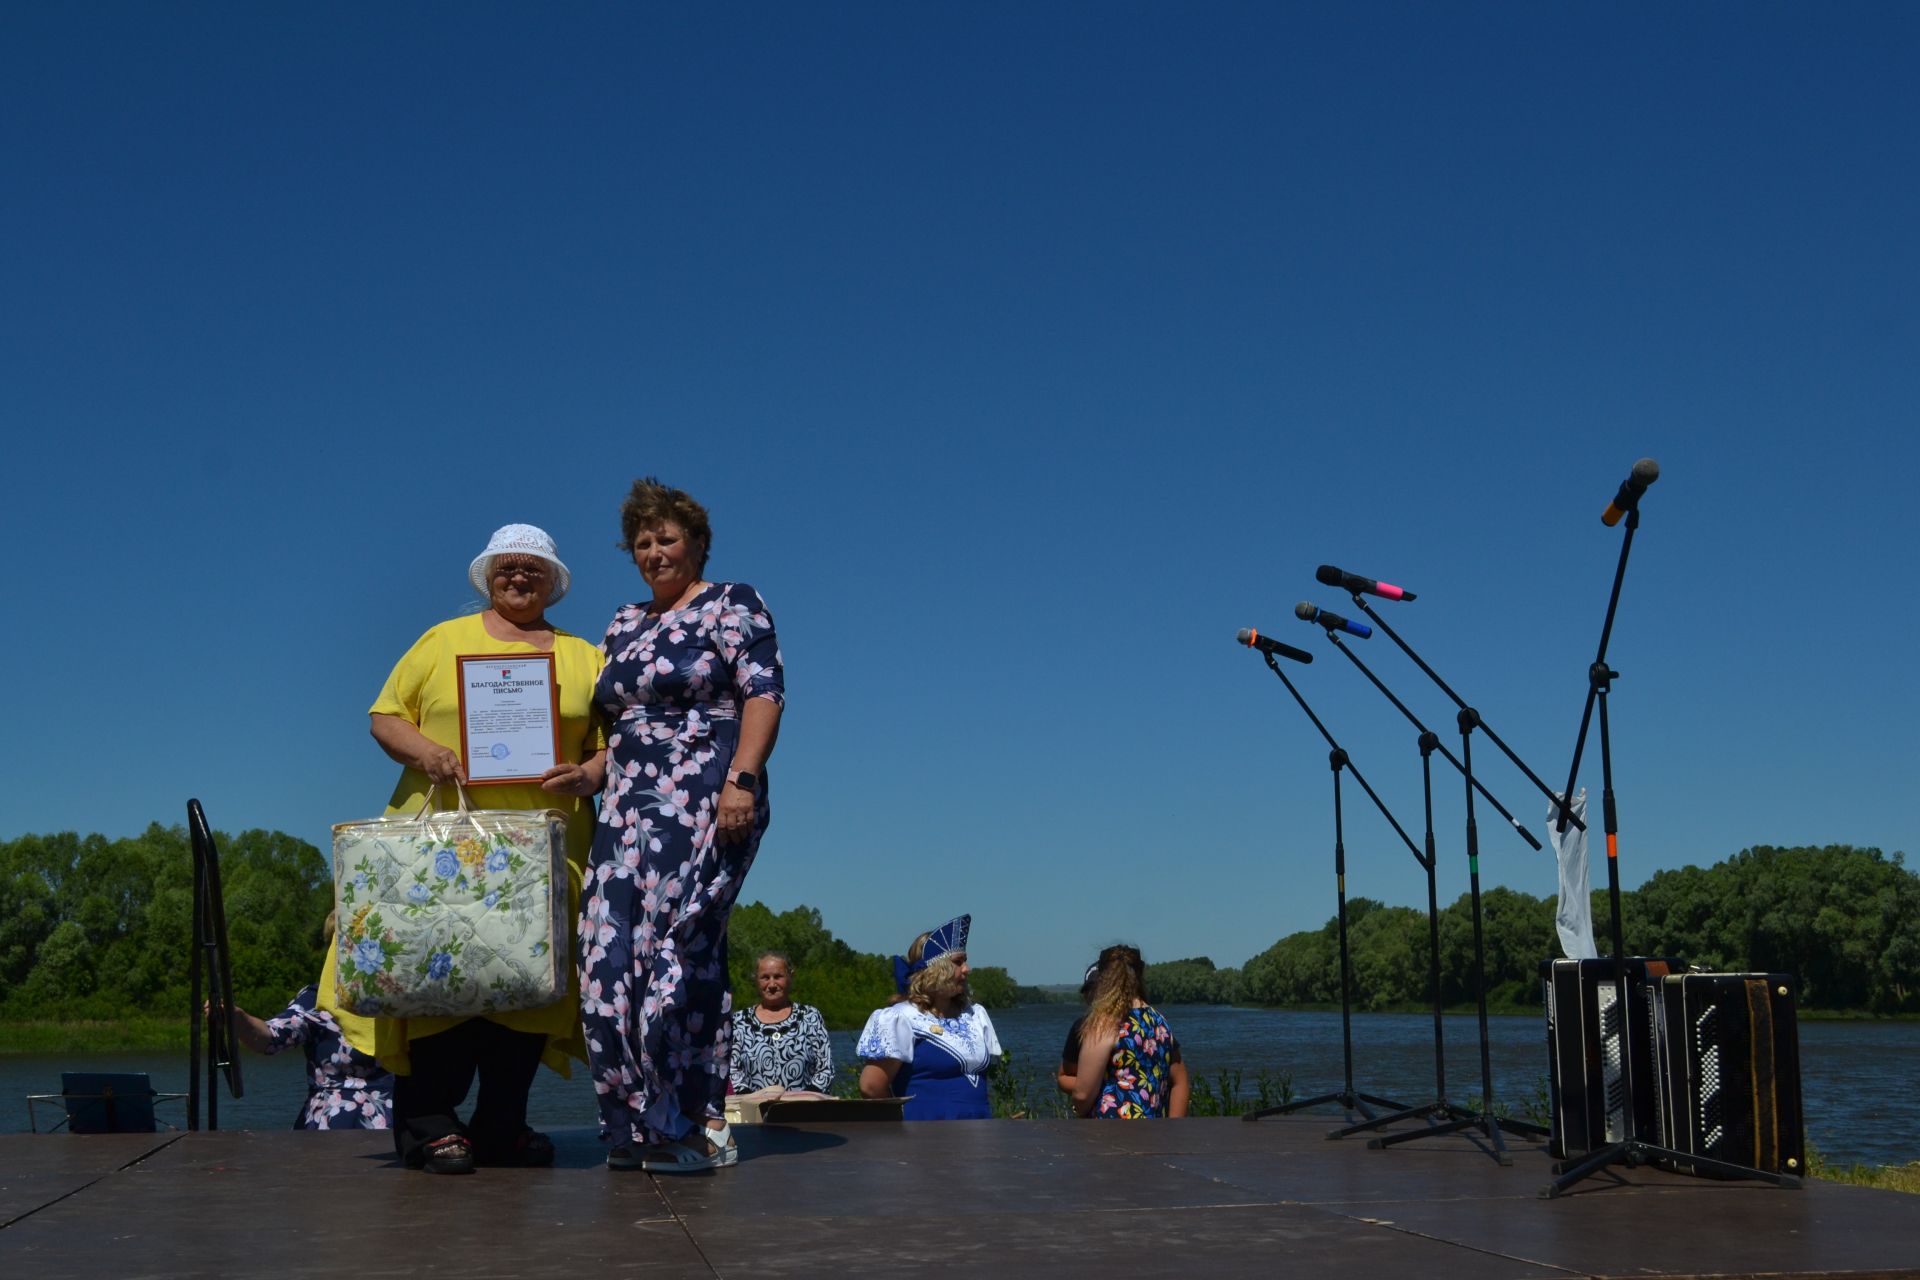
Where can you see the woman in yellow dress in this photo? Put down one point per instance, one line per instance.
(416, 720)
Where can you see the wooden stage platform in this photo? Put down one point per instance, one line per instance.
(987, 1198)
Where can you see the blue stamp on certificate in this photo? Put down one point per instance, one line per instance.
(499, 751)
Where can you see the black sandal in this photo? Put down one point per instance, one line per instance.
(451, 1154)
(530, 1151)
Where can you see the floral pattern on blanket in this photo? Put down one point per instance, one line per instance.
(452, 913)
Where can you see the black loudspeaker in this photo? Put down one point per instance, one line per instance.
(1729, 1050)
(1587, 1087)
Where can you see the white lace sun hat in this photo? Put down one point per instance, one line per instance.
(518, 540)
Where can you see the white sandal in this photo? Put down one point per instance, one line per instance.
(722, 1140)
(681, 1157)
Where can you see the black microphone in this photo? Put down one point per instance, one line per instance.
(1254, 640)
(1331, 621)
(1644, 473)
(1353, 582)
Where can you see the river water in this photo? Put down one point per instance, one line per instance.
(1860, 1080)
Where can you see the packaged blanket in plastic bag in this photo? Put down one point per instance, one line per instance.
(451, 912)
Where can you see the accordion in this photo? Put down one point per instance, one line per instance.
(1703, 1064)
(1729, 1070)
(1600, 1054)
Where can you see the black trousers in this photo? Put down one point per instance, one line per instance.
(444, 1067)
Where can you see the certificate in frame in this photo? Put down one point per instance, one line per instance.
(509, 716)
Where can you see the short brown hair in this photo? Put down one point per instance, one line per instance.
(651, 503)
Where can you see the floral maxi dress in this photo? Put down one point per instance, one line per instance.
(654, 991)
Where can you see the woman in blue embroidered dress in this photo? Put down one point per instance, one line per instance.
(935, 1047)
(345, 1088)
(692, 693)
(1127, 1051)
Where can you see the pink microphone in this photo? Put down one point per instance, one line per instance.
(1353, 582)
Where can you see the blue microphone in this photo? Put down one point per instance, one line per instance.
(1331, 621)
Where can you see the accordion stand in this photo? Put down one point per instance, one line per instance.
(1634, 1149)
(1348, 1097)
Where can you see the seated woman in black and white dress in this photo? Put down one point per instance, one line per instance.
(777, 1043)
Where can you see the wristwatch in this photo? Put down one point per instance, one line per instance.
(744, 780)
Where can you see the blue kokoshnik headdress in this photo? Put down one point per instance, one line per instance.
(951, 936)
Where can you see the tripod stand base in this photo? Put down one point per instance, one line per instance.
(1438, 1107)
(1350, 1100)
(1633, 1153)
(1465, 1120)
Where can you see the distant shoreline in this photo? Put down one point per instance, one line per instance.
(1497, 1010)
(151, 1033)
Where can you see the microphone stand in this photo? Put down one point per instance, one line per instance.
(1414, 720)
(1349, 1099)
(1564, 806)
(1429, 742)
(1484, 1122)
(1632, 1150)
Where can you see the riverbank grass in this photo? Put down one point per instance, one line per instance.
(132, 1034)
(1887, 1177)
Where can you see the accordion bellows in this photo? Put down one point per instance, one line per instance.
(452, 913)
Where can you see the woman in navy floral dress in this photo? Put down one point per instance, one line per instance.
(692, 693)
(345, 1088)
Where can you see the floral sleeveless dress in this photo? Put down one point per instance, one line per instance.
(1140, 1071)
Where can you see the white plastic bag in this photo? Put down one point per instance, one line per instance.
(1574, 917)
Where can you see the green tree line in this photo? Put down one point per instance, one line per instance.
(1844, 920)
(92, 928)
(844, 984)
(98, 928)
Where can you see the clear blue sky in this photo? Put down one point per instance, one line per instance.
(1022, 354)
